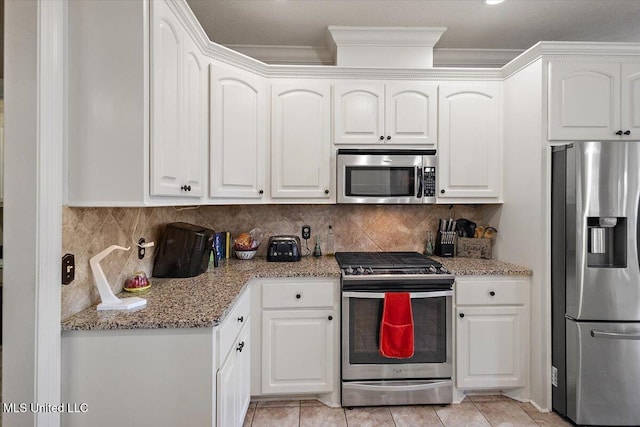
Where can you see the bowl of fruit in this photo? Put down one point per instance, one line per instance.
(245, 245)
(139, 282)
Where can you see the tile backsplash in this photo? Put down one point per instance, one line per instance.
(87, 231)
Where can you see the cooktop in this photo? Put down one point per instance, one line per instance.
(385, 260)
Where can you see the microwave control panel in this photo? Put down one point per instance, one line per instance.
(429, 176)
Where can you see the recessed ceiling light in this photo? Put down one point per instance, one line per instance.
(492, 2)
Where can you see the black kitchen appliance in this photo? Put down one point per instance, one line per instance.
(183, 251)
(368, 378)
(283, 248)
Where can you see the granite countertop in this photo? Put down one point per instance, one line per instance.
(200, 301)
(481, 267)
(203, 301)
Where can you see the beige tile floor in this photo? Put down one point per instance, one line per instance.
(475, 411)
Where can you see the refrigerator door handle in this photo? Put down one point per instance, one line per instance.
(614, 335)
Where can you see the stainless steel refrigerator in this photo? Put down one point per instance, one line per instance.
(595, 260)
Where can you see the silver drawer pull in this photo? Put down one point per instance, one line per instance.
(614, 335)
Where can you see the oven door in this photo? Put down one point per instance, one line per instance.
(361, 317)
(379, 178)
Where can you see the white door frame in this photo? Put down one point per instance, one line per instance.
(34, 128)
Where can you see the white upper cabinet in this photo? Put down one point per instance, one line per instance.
(238, 134)
(411, 113)
(470, 146)
(594, 100)
(392, 113)
(359, 113)
(178, 109)
(195, 120)
(300, 140)
(630, 97)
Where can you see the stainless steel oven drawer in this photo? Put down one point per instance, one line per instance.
(404, 392)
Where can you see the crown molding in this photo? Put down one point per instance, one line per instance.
(574, 51)
(385, 36)
(479, 58)
(287, 55)
(319, 55)
(453, 64)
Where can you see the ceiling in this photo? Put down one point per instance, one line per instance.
(514, 24)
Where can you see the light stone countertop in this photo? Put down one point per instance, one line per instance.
(203, 301)
(200, 301)
(482, 267)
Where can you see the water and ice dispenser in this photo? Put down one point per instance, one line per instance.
(607, 242)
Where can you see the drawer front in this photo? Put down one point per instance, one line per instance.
(233, 322)
(491, 292)
(298, 295)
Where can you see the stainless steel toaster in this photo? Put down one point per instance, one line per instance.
(283, 248)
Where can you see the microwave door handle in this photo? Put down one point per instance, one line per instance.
(420, 182)
(380, 295)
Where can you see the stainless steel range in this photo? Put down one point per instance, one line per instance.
(368, 377)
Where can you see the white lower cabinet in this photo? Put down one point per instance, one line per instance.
(297, 351)
(492, 332)
(234, 369)
(299, 340)
(232, 382)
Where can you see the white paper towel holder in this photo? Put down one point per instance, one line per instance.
(109, 300)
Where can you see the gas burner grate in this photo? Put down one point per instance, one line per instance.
(385, 260)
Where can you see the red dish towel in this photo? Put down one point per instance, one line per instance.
(396, 330)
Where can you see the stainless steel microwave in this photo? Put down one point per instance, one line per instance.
(386, 176)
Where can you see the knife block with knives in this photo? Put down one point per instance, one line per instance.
(446, 238)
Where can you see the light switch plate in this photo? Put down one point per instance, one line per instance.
(68, 268)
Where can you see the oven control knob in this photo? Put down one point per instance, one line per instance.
(432, 269)
(443, 270)
(348, 270)
(360, 270)
(369, 270)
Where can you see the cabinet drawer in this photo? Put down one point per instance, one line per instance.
(298, 295)
(491, 292)
(233, 322)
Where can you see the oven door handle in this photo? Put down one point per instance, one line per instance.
(380, 295)
(412, 387)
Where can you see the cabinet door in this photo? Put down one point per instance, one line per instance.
(227, 393)
(238, 134)
(491, 347)
(297, 351)
(584, 100)
(411, 113)
(470, 144)
(232, 382)
(193, 144)
(166, 60)
(630, 95)
(243, 378)
(300, 155)
(359, 113)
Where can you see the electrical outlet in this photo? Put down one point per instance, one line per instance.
(306, 232)
(141, 249)
(554, 376)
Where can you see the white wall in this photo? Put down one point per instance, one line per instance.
(19, 320)
(34, 106)
(522, 221)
